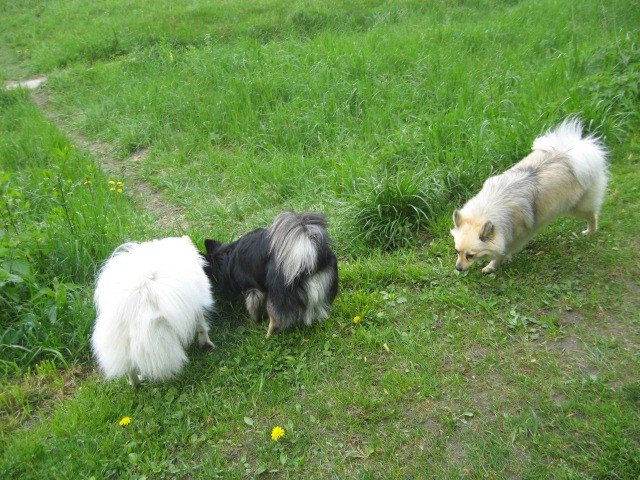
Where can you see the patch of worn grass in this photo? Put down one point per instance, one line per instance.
(28, 400)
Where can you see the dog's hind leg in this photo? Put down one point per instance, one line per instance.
(254, 301)
(592, 224)
(133, 379)
(591, 216)
(318, 292)
(588, 207)
(203, 333)
(274, 322)
(273, 327)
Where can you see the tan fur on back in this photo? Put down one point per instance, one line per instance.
(557, 187)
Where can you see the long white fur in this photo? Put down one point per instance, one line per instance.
(587, 156)
(151, 298)
(317, 287)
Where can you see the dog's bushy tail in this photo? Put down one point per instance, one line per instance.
(587, 155)
(295, 242)
(148, 299)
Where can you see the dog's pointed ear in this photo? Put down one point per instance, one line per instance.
(211, 245)
(488, 231)
(457, 218)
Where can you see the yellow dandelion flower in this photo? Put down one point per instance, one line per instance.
(277, 433)
(120, 190)
(112, 189)
(125, 421)
(112, 182)
(356, 319)
(87, 182)
(119, 184)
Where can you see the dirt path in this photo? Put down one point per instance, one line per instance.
(128, 170)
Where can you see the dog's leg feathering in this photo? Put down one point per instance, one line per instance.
(134, 379)
(592, 224)
(254, 300)
(273, 327)
(203, 334)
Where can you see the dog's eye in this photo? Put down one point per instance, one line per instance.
(470, 256)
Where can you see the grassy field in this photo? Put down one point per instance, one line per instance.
(209, 118)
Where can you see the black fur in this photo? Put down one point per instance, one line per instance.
(256, 266)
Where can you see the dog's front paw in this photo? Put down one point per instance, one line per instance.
(493, 266)
(488, 269)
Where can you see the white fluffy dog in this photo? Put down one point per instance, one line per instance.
(151, 299)
(565, 173)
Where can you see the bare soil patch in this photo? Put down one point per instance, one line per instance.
(30, 84)
(36, 394)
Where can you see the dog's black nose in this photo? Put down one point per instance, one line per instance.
(459, 268)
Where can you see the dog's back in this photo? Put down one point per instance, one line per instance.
(237, 267)
(563, 172)
(572, 172)
(549, 183)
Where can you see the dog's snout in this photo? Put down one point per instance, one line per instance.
(459, 268)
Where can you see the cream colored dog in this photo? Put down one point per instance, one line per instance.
(564, 173)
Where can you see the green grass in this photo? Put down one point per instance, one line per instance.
(384, 115)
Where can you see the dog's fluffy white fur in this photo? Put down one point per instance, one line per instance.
(151, 299)
(565, 173)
